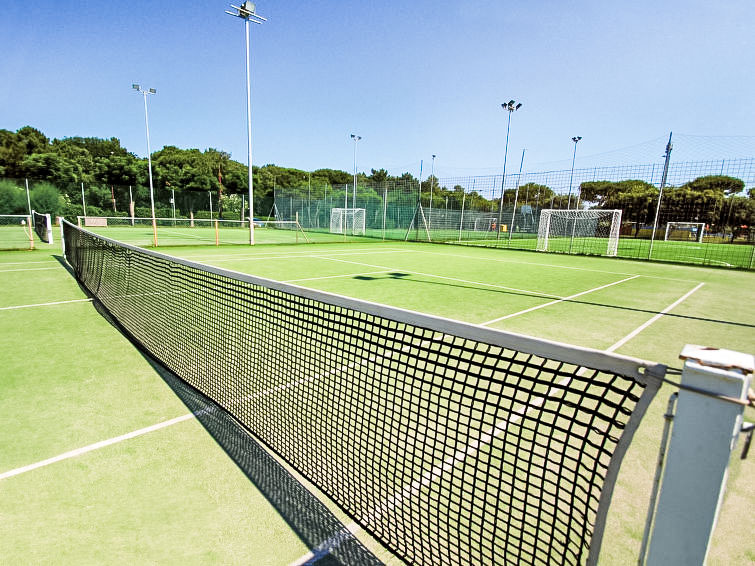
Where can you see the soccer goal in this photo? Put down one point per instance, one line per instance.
(594, 231)
(348, 221)
(685, 231)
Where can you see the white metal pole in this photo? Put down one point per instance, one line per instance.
(249, 131)
(432, 182)
(131, 204)
(516, 197)
(83, 200)
(354, 191)
(660, 194)
(209, 194)
(28, 199)
(705, 431)
(173, 202)
(149, 166)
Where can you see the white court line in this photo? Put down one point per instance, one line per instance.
(30, 269)
(550, 266)
(24, 262)
(433, 276)
(45, 304)
(293, 255)
(337, 276)
(500, 318)
(461, 455)
(95, 446)
(642, 327)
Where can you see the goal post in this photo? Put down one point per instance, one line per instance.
(685, 231)
(348, 221)
(559, 229)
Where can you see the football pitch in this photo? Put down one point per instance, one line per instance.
(108, 458)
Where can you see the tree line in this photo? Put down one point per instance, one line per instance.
(108, 171)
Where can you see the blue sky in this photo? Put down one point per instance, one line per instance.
(412, 78)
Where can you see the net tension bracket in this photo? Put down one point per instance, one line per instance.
(748, 429)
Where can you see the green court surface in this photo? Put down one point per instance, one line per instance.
(192, 490)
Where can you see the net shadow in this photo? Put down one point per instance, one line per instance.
(327, 537)
(330, 542)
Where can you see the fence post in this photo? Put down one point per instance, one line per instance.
(704, 433)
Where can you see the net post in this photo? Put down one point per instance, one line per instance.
(705, 431)
(31, 232)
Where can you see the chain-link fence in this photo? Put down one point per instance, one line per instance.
(492, 211)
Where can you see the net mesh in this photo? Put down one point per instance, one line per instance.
(16, 232)
(42, 226)
(449, 443)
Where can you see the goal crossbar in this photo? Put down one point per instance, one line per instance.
(690, 231)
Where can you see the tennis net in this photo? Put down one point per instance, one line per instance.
(16, 232)
(449, 443)
(42, 226)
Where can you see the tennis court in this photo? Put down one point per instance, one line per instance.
(183, 488)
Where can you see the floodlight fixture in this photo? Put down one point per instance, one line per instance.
(248, 12)
(511, 106)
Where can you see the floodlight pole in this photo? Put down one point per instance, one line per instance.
(432, 182)
(511, 106)
(144, 93)
(571, 177)
(247, 12)
(354, 198)
(669, 146)
(516, 195)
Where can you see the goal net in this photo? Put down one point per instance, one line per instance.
(347, 221)
(685, 231)
(583, 231)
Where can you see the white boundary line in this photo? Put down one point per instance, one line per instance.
(500, 318)
(479, 283)
(551, 266)
(45, 304)
(95, 446)
(294, 255)
(30, 269)
(337, 276)
(25, 262)
(642, 327)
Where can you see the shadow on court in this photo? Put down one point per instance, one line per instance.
(330, 543)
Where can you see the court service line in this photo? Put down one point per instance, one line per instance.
(95, 446)
(473, 447)
(293, 255)
(45, 304)
(500, 318)
(336, 276)
(552, 266)
(432, 275)
(642, 327)
(25, 262)
(30, 269)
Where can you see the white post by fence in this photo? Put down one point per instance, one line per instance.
(704, 434)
